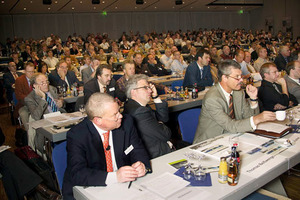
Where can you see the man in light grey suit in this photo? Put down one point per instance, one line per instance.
(292, 78)
(89, 72)
(41, 100)
(226, 96)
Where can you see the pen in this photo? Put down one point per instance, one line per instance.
(129, 184)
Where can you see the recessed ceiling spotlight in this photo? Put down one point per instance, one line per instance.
(155, 7)
(25, 8)
(145, 2)
(73, 8)
(191, 7)
(116, 7)
(242, 7)
(173, 7)
(135, 7)
(183, 2)
(225, 7)
(208, 7)
(94, 8)
(55, 1)
(80, 2)
(103, 1)
(30, 1)
(2, 1)
(49, 8)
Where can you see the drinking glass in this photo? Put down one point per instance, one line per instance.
(290, 116)
(82, 109)
(200, 174)
(188, 172)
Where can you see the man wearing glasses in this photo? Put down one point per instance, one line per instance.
(273, 92)
(150, 124)
(41, 100)
(104, 149)
(103, 82)
(225, 108)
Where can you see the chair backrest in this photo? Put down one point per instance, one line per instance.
(59, 159)
(188, 122)
(79, 101)
(176, 83)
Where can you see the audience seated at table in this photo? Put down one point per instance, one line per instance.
(178, 65)
(225, 108)
(262, 58)
(63, 77)
(23, 87)
(50, 60)
(199, 71)
(292, 78)
(43, 99)
(226, 53)
(43, 68)
(239, 58)
(156, 68)
(149, 123)
(104, 148)
(273, 92)
(89, 72)
(9, 79)
(166, 59)
(103, 83)
(283, 57)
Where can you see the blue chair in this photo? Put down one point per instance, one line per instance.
(188, 122)
(59, 159)
(176, 83)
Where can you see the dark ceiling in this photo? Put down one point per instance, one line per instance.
(86, 6)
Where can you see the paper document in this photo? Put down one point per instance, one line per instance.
(272, 127)
(3, 148)
(165, 185)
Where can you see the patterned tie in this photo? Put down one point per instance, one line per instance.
(51, 103)
(276, 88)
(104, 90)
(107, 152)
(231, 109)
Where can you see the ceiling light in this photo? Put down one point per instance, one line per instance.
(55, 2)
(139, 2)
(25, 8)
(116, 7)
(95, 1)
(135, 7)
(49, 8)
(30, 1)
(178, 2)
(155, 7)
(225, 7)
(103, 1)
(94, 8)
(80, 2)
(208, 7)
(191, 7)
(73, 8)
(2, 1)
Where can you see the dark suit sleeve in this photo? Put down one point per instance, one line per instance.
(8, 81)
(119, 93)
(81, 171)
(190, 77)
(88, 90)
(162, 112)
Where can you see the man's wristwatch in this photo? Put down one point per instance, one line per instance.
(155, 97)
(254, 99)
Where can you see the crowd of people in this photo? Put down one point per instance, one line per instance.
(222, 59)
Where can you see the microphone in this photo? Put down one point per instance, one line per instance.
(107, 148)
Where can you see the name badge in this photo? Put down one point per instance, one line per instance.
(128, 150)
(160, 68)
(112, 89)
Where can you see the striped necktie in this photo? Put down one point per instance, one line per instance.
(51, 103)
(231, 109)
(107, 152)
(276, 88)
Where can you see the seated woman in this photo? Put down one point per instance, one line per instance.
(43, 68)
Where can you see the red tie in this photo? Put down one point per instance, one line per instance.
(107, 152)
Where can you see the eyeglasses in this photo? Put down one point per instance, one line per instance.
(43, 83)
(273, 72)
(144, 87)
(236, 78)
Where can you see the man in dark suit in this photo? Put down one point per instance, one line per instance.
(23, 87)
(199, 71)
(273, 92)
(9, 79)
(150, 124)
(103, 149)
(156, 68)
(63, 77)
(103, 83)
(140, 67)
(283, 58)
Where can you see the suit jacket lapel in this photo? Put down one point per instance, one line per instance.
(118, 141)
(96, 140)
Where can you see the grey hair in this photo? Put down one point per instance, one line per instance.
(35, 76)
(95, 104)
(132, 83)
(225, 67)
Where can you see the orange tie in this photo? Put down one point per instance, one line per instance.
(15, 75)
(104, 90)
(107, 151)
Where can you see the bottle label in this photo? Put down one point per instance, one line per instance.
(222, 178)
